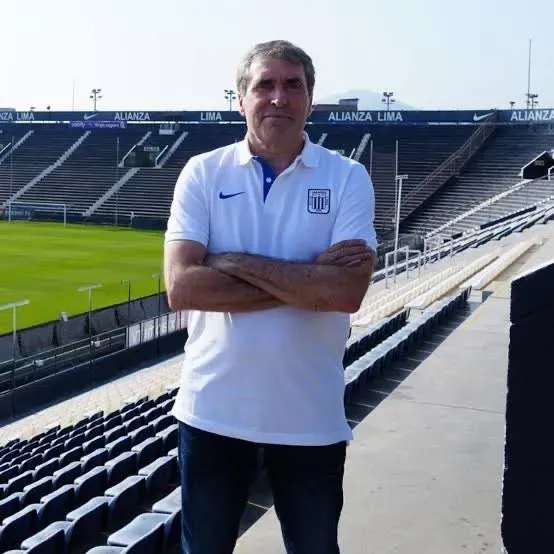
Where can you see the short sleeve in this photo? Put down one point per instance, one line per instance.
(188, 218)
(356, 210)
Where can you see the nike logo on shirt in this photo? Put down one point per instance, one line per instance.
(225, 196)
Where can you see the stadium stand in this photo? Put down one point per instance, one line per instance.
(493, 170)
(90, 170)
(42, 149)
(136, 194)
(113, 478)
(112, 191)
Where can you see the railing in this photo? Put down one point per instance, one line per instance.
(452, 165)
(22, 371)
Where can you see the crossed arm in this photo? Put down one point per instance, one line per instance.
(336, 281)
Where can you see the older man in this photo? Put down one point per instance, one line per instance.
(269, 246)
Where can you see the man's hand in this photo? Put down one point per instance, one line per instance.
(347, 253)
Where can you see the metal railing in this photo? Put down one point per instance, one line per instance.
(22, 371)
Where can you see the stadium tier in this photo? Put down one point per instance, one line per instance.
(88, 170)
(493, 170)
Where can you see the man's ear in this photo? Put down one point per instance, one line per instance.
(241, 107)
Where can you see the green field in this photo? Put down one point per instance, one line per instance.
(46, 263)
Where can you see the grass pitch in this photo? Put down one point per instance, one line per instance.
(46, 263)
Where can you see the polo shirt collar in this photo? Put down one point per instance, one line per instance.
(309, 155)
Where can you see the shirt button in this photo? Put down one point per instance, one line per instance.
(268, 180)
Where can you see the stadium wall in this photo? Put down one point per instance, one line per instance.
(54, 388)
(55, 334)
(528, 478)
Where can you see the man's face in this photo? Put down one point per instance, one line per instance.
(276, 103)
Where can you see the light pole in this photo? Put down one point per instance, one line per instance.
(399, 180)
(89, 289)
(388, 99)
(230, 96)
(95, 96)
(13, 306)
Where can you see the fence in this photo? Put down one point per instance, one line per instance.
(39, 379)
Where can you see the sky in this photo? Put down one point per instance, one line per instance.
(182, 54)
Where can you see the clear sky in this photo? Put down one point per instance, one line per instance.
(181, 54)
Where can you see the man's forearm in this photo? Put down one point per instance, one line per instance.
(306, 286)
(206, 289)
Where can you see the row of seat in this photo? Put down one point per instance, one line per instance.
(53, 433)
(380, 358)
(359, 345)
(109, 471)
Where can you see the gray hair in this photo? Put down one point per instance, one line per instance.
(282, 50)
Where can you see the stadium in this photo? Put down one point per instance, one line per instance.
(90, 351)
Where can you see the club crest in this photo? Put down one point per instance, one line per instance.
(319, 201)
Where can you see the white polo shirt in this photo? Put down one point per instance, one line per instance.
(276, 375)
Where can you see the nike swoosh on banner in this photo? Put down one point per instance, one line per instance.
(225, 196)
(480, 117)
(90, 116)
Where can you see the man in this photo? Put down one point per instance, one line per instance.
(269, 246)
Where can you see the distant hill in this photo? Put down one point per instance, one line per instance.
(368, 100)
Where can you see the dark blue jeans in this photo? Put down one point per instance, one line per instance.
(216, 475)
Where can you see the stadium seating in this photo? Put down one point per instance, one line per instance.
(136, 194)
(493, 170)
(45, 145)
(110, 482)
(85, 181)
(89, 172)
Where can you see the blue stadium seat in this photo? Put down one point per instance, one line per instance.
(77, 440)
(133, 423)
(17, 484)
(53, 452)
(85, 526)
(94, 432)
(11, 505)
(40, 449)
(129, 414)
(144, 525)
(55, 505)
(152, 414)
(8, 474)
(125, 499)
(141, 434)
(97, 458)
(91, 484)
(45, 469)
(121, 467)
(35, 491)
(148, 450)
(159, 474)
(94, 444)
(18, 527)
(72, 455)
(67, 474)
(115, 433)
(162, 422)
(118, 446)
(48, 541)
(145, 406)
(113, 422)
(169, 504)
(170, 436)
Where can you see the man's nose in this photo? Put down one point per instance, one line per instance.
(279, 97)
